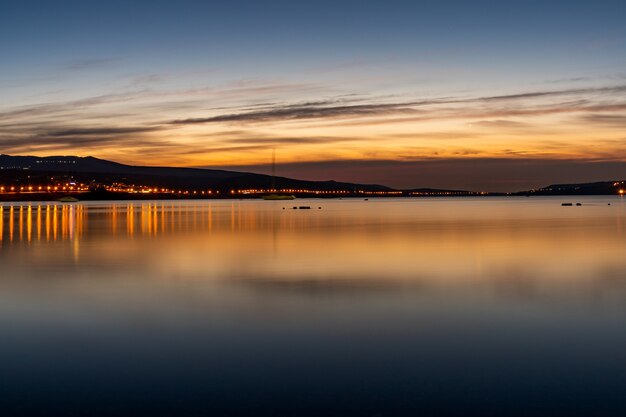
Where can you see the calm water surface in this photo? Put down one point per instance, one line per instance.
(501, 306)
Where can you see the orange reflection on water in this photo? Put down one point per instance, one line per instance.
(11, 226)
(436, 243)
(38, 223)
(454, 219)
(63, 222)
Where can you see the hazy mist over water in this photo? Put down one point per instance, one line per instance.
(510, 306)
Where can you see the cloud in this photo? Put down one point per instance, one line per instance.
(145, 79)
(305, 111)
(502, 124)
(15, 143)
(291, 140)
(427, 109)
(465, 112)
(155, 119)
(46, 137)
(534, 94)
(51, 109)
(569, 80)
(88, 64)
(439, 135)
(84, 144)
(101, 131)
(610, 120)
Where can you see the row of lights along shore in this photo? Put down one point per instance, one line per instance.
(137, 189)
(146, 190)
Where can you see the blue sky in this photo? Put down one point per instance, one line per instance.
(143, 64)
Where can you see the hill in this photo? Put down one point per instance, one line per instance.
(22, 169)
(591, 188)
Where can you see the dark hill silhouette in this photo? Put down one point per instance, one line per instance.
(591, 188)
(87, 169)
(30, 169)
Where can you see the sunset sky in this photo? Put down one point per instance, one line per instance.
(482, 95)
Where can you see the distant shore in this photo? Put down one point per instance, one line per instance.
(118, 196)
(167, 197)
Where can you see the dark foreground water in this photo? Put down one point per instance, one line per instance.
(512, 306)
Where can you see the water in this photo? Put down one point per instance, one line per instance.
(497, 306)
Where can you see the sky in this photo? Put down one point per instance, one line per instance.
(479, 95)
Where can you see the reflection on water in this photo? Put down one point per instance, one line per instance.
(47, 222)
(388, 307)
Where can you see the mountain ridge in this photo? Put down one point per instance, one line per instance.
(92, 169)
(103, 169)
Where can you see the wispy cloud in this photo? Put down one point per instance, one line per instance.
(517, 105)
(242, 119)
(555, 93)
(502, 124)
(51, 109)
(47, 138)
(21, 144)
(305, 140)
(610, 120)
(88, 64)
(306, 111)
(100, 131)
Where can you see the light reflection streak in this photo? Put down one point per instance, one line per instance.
(114, 222)
(11, 224)
(130, 220)
(21, 220)
(39, 222)
(29, 223)
(48, 226)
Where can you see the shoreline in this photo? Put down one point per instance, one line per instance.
(85, 197)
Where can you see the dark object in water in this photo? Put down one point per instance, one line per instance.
(567, 204)
(294, 208)
(305, 207)
(277, 196)
(579, 204)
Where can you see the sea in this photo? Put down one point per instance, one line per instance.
(314, 307)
